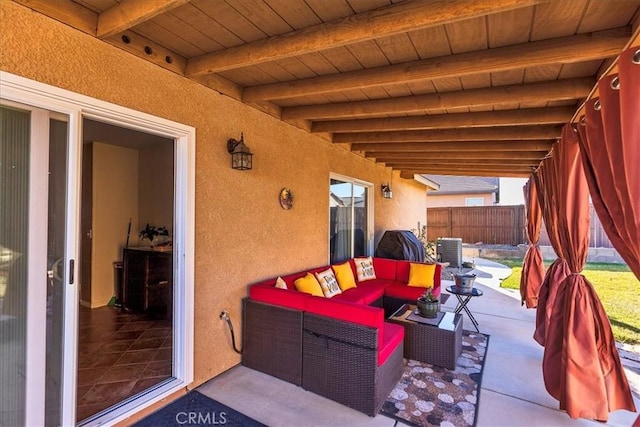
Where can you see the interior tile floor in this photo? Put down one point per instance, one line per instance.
(512, 390)
(119, 355)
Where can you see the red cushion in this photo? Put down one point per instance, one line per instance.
(385, 268)
(353, 297)
(402, 271)
(402, 291)
(392, 337)
(365, 294)
(273, 295)
(347, 312)
(410, 293)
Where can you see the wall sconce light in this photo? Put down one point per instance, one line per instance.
(241, 156)
(386, 191)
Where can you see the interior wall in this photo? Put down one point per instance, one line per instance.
(242, 234)
(115, 200)
(156, 186)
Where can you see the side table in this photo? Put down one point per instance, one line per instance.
(463, 300)
(439, 344)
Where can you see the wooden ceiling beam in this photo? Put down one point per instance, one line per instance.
(148, 50)
(558, 90)
(444, 146)
(562, 50)
(384, 156)
(66, 11)
(129, 13)
(383, 22)
(403, 164)
(530, 116)
(409, 173)
(479, 134)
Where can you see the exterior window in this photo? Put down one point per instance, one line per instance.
(474, 201)
(348, 220)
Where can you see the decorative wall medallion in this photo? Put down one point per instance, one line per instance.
(286, 198)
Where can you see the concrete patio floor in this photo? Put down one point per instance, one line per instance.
(512, 392)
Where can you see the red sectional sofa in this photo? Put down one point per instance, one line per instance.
(339, 347)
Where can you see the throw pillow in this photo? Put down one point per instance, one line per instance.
(344, 275)
(421, 275)
(328, 283)
(364, 269)
(309, 285)
(281, 284)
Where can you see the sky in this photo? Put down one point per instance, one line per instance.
(511, 191)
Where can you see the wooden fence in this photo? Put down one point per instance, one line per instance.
(496, 225)
(597, 237)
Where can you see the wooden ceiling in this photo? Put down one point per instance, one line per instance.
(462, 87)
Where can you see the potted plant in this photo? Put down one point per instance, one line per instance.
(428, 304)
(151, 232)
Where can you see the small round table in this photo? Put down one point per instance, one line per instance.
(463, 300)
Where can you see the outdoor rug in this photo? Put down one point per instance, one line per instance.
(196, 409)
(428, 395)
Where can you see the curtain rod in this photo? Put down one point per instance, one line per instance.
(613, 68)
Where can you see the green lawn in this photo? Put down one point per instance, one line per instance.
(617, 287)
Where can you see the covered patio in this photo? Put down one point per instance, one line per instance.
(371, 93)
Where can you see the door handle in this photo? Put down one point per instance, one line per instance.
(54, 269)
(71, 271)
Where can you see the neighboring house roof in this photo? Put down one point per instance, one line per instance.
(462, 185)
(494, 181)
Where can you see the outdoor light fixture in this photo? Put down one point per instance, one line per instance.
(241, 156)
(386, 188)
(386, 191)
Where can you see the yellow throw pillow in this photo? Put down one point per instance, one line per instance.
(364, 269)
(309, 285)
(344, 275)
(328, 283)
(421, 275)
(281, 284)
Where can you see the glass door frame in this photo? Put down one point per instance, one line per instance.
(370, 210)
(38, 222)
(76, 107)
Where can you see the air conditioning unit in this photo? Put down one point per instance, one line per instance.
(449, 249)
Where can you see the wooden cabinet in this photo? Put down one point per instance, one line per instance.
(148, 281)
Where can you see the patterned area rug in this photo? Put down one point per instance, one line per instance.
(428, 395)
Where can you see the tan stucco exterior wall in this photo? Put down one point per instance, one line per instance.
(242, 233)
(453, 200)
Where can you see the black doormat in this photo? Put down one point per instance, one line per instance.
(196, 409)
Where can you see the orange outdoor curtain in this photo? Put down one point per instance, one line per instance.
(545, 179)
(610, 144)
(581, 366)
(532, 265)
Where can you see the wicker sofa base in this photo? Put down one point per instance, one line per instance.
(278, 352)
(329, 357)
(340, 362)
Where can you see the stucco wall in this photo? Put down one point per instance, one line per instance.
(242, 233)
(451, 200)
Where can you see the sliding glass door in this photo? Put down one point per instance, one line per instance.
(41, 153)
(349, 219)
(34, 267)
